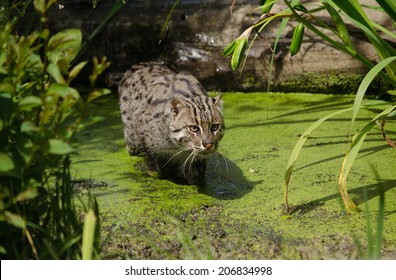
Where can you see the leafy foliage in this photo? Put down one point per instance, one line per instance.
(40, 112)
(337, 10)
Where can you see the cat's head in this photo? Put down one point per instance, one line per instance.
(197, 124)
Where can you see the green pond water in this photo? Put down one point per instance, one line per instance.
(239, 214)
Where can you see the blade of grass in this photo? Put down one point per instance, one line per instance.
(364, 85)
(380, 217)
(340, 25)
(383, 48)
(167, 20)
(374, 241)
(88, 235)
(334, 43)
(351, 155)
(262, 24)
(389, 6)
(380, 222)
(384, 30)
(296, 151)
(354, 11)
(352, 8)
(369, 227)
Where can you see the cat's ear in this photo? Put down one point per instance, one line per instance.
(175, 106)
(218, 101)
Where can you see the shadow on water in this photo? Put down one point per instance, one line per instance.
(314, 107)
(331, 104)
(357, 195)
(363, 154)
(225, 180)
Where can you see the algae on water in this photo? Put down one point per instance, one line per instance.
(239, 213)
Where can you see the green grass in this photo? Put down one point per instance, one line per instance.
(239, 214)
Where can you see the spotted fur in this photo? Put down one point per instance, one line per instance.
(170, 120)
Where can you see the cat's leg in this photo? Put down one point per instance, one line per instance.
(129, 140)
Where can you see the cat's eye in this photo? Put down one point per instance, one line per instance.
(214, 127)
(194, 128)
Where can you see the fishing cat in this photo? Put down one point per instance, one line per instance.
(170, 120)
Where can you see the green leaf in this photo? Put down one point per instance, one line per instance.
(27, 194)
(354, 11)
(15, 219)
(98, 68)
(384, 30)
(63, 91)
(238, 53)
(380, 220)
(389, 7)
(69, 95)
(29, 127)
(55, 73)
(230, 48)
(7, 87)
(90, 120)
(88, 235)
(351, 155)
(370, 76)
(39, 5)
(6, 163)
(300, 7)
(64, 46)
(58, 147)
(34, 64)
(50, 3)
(391, 115)
(28, 103)
(26, 87)
(75, 71)
(24, 147)
(340, 25)
(98, 93)
(267, 6)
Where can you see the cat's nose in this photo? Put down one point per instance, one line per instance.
(208, 146)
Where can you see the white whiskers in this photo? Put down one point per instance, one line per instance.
(176, 154)
(191, 157)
